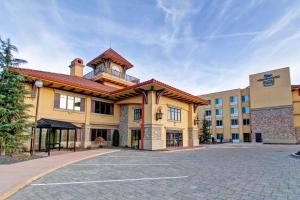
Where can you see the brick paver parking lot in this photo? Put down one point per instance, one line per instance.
(218, 172)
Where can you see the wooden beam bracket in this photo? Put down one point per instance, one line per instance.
(159, 93)
(144, 93)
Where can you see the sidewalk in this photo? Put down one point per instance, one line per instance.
(13, 177)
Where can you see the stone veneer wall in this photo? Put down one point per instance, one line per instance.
(193, 137)
(298, 135)
(123, 126)
(153, 137)
(276, 124)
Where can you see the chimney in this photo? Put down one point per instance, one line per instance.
(76, 67)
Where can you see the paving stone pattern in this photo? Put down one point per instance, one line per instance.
(218, 172)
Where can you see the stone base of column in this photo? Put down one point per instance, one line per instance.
(193, 137)
(86, 136)
(153, 137)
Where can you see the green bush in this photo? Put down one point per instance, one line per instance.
(116, 138)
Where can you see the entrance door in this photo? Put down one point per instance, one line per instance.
(135, 138)
(174, 139)
(258, 137)
(247, 137)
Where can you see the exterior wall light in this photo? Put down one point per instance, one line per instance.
(159, 114)
(38, 83)
(196, 121)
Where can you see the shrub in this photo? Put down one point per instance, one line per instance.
(116, 138)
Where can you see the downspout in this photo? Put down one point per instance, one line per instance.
(142, 122)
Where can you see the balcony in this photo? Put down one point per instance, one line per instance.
(97, 72)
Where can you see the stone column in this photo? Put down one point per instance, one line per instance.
(86, 136)
(123, 126)
(153, 137)
(193, 137)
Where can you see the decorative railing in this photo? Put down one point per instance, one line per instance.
(115, 73)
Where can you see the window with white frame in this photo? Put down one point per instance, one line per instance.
(218, 101)
(233, 99)
(219, 123)
(246, 110)
(235, 136)
(208, 113)
(234, 111)
(246, 122)
(69, 102)
(234, 122)
(245, 98)
(174, 114)
(219, 112)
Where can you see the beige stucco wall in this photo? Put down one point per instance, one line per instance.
(227, 130)
(296, 107)
(277, 95)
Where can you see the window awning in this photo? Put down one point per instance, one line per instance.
(50, 123)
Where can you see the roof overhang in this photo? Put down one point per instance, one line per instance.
(164, 89)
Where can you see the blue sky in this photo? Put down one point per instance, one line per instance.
(199, 46)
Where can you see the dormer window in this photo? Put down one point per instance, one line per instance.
(116, 71)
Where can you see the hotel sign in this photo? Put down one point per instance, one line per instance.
(268, 80)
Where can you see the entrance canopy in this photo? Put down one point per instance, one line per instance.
(50, 123)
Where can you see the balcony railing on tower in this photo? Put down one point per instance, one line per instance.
(98, 71)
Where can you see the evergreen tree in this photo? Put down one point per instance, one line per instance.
(13, 111)
(205, 130)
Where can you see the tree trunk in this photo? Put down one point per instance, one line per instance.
(2, 149)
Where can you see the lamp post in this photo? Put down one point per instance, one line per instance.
(38, 84)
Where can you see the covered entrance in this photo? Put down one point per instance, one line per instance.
(54, 134)
(174, 139)
(135, 138)
(247, 137)
(258, 137)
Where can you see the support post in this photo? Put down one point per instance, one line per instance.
(67, 138)
(40, 139)
(48, 138)
(143, 121)
(75, 139)
(59, 146)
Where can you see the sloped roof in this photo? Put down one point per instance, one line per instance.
(113, 55)
(50, 123)
(67, 80)
(81, 83)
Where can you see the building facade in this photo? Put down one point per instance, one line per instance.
(148, 115)
(267, 111)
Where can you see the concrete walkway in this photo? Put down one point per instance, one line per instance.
(15, 176)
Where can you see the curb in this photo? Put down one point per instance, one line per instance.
(30, 180)
(181, 150)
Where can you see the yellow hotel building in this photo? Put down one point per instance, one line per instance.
(267, 111)
(76, 109)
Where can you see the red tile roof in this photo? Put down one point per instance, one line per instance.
(113, 55)
(163, 85)
(81, 83)
(296, 86)
(67, 80)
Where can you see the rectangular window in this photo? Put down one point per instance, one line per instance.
(246, 110)
(246, 122)
(245, 98)
(219, 112)
(63, 102)
(219, 136)
(219, 123)
(137, 114)
(69, 102)
(233, 99)
(99, 133)
(233, 110)
(174, 114)
(218, 101)
(102, 107)
(208, 113)
(234, 122)
(235, 136)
